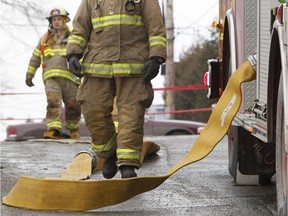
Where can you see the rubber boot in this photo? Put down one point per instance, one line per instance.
(75, 134)
(127, 171)
(109, 167)
(52, 134)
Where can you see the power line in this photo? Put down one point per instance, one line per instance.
(195, 21)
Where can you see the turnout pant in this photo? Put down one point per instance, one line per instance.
(58, 89)
(96, 96)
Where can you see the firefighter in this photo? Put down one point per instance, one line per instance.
(122, 45)
(60, 83)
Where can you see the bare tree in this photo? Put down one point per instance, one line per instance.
(18, 16)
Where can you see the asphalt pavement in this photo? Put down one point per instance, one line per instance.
(200, 189)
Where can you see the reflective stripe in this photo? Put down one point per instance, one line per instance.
(157, 40)
(59, 73)
(116, 126)
(128, 154)
(31, 70)
(126, 68)
(54, 125)
(72, 126)
(77, 81)
(117, 19)
(75, 39)
(100, 148)
(52, 52)
(102, 69)
(110, 70)
(36, 52)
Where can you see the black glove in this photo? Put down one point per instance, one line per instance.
(29, 82)
(152, 66)
(74, 64)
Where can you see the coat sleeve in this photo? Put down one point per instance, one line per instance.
(35, 61)
(155, 28)
(82, 28)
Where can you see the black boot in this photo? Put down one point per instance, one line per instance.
(127, 171)
(109, 167)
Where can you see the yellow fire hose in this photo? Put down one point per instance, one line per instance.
(77, 195)
(85, 162)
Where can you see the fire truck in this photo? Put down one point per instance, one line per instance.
(257, 138)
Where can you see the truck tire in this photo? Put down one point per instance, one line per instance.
(281, 157)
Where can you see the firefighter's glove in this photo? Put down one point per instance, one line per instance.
(29, 82)
(74, 64)
(151, 68)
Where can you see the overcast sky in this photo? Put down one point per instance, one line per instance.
(192, 18)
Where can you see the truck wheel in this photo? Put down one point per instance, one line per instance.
(281, 157)
(233, 151)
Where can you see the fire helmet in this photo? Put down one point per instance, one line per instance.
(56, 11)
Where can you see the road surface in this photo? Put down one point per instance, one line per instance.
(200, 189)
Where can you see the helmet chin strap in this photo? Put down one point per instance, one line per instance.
(50, 26)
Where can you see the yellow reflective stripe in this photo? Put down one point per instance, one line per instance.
(75, 39)
(97, 148)
(36, 52)
(102, 69)
(117, 19)
(52, 52)
(31, 70)
(48, 52)
(100, 148)
(78, 81)
(116, 126)
(72, 126)
(129, 154)
(62, 52)
(125, 68)
(109, 70)
(54, 125)
(157, 40)
(58, 73)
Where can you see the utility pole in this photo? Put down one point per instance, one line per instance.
(170, 66)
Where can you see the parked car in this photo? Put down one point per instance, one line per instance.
(152, 127)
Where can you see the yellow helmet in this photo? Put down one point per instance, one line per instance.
(56, 11)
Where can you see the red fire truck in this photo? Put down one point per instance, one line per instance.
(258, 136)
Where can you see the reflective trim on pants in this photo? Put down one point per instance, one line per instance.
(54, 125)
(128, 154)
(107, 147)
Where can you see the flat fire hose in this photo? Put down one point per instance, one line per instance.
(77, 195)
(86, 162)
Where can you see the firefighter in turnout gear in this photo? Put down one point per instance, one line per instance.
(60, 83)
(123, 44)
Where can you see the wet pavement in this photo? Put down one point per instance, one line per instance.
(200, 189)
